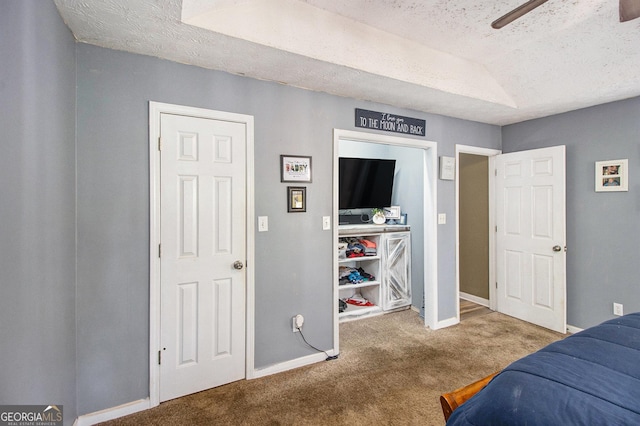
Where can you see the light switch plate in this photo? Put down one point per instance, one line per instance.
(442, 218)
(326, 223)
(263, 223)
(447, 168)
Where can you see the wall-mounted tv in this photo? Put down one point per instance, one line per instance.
(365, 182)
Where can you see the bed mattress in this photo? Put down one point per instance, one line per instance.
(589, 378)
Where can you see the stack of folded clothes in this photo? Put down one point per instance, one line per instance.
(358, 300)
(358, 247)
(370, 248)
(342, 250)
(349, 275)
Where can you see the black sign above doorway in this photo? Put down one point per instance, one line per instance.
(390, 122)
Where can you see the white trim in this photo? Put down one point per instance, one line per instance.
(447, 323)
(475, 299)
(292, 364)
(491, 153)
(113, 413)
(155, 109)
(573, 330)
(430, 213)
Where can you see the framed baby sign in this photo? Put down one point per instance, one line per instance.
(294, 168)
(612, 175)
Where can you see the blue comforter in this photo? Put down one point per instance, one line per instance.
(589, 378)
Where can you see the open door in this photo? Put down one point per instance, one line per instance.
(531, 236)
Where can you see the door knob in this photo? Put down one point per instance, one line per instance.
(238, 265)
(557, 248)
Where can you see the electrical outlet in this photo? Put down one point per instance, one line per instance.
(297, 322)
(617, 309)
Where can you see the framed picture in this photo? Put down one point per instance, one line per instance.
(392, 212)
(296, 199)
(612, 175)
(295, 168)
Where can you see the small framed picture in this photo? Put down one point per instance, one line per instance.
(392, 212)
(296, 199)
(295, 168)
(612, 175)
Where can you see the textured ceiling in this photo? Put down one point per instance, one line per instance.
(437, 56)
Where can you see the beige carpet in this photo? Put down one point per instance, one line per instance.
(470, 309)
(391, 371)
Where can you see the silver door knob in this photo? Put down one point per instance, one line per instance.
(557, 248)
(238, 265)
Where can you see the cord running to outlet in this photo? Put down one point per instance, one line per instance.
(329, 358)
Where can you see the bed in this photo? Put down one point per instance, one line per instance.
(589, 378)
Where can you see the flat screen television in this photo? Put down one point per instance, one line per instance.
(365, 182)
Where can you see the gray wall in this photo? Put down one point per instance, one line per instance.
(449, 133)
(293, 260)
(602, 228)
(104, 289)
(37, 207)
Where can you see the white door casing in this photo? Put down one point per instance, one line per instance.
(531, 236)
(202, 294)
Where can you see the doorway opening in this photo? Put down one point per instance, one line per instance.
(474, 222)
(427, 238)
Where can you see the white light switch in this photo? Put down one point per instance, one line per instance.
(326, 223)
(442, 218)
(263, 223)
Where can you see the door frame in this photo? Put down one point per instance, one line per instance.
(155, 109)
(430, 167)
(490, 153)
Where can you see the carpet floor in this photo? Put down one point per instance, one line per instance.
(391, 371)
(470, 309)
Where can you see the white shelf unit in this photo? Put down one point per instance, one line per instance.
(370, 290)
(391, 268)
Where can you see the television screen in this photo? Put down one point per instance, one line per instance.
(365, 183)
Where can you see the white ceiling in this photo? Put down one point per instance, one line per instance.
(437, 56)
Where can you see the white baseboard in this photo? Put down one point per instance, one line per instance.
(290, 365)
(474, 299)
(573, 330)
(113, 413)
(145, 404)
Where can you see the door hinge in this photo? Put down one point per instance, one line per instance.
(496, 228)
(159, 250)
(495, 172)
(159, 143)
(496, 284)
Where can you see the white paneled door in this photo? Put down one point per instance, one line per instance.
(530, 242)
(203, 251)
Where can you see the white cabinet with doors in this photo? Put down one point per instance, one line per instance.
(382, 280)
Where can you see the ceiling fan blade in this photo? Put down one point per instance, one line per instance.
(517, 13)
(629, 9)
